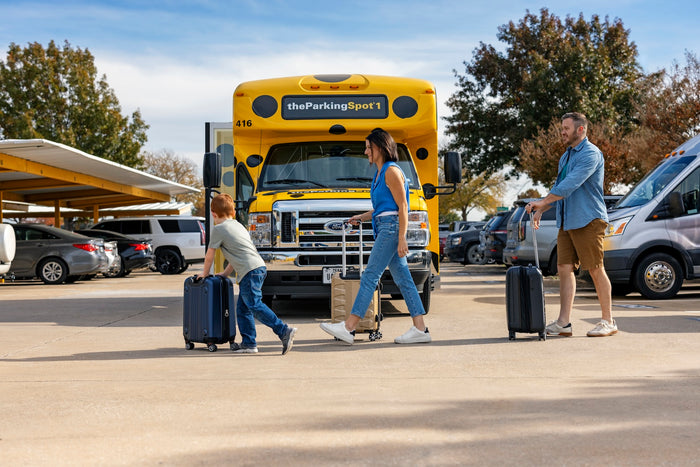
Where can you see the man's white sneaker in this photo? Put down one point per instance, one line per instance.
(339, 331)
(603, 328)
(553, 329)
(414, 336)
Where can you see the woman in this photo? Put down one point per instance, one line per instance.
(389, 221)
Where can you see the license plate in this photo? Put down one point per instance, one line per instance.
(328, 273)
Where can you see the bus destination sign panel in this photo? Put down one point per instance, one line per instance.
(334, 107)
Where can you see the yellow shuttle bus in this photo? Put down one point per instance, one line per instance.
(298, 167)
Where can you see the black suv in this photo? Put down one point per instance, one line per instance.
(493, 237)
(463, 246)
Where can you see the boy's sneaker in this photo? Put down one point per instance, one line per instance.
(339, 331)
(603, 328)
(414, 336)
(553, 329)
(288, 339)
(237, 348)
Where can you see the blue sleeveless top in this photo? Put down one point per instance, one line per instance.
(382, 200)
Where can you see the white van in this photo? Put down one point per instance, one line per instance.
(653, 241)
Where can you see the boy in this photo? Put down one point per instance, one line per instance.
(234, 241)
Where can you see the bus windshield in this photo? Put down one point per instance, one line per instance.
(330, 164)
(654, 182)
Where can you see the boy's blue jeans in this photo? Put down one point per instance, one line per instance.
(384, 253)
(251, 307)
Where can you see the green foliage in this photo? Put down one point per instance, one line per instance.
(480, 192)
(56, 94)
(548, 68)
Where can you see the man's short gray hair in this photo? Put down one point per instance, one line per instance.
(578, 118)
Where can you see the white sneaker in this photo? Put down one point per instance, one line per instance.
(339, 331)
(414, 336)
(554, 329)
(603, 328)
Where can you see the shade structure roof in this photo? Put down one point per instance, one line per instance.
(43, 172)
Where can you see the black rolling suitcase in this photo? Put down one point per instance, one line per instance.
(525, 297)
(208, 312)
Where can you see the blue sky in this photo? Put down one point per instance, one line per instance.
(179, 61)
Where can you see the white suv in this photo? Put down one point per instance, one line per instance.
(178, 241)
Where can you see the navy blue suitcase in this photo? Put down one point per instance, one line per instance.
(525, 298)
(208, 312)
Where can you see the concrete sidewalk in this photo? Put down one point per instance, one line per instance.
(96, 373)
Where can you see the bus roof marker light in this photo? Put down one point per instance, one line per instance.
(337, 130)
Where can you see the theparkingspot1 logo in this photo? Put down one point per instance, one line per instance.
(323, 107)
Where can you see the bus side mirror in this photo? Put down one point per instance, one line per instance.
(453, 168)
(453, 176)
(211, 171)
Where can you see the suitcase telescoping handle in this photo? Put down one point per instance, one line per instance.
(534, 241)
(343, 247)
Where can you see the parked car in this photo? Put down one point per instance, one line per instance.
(177, 241)
(7, 248)
(492, 239)
(652, 242)
(463, 246)
(443, 232)
(55, 255)
(519, 248)
(133, 253)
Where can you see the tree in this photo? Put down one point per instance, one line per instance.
(529, 193)
(479, 192)
(167, 165)
(667, 114)
(548, 68)
(56, 94)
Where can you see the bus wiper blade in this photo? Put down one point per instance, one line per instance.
(294, 180)
(355, 179)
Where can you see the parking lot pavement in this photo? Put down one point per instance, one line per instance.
(96, 373)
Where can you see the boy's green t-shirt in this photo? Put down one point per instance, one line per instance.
(236, 246)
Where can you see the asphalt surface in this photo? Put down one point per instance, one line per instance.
(96, 373)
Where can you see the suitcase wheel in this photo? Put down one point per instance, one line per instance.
(511, 336)
(375, 335)
(211, 347)
(189, 345)
(543, 336)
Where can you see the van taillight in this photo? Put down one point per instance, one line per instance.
(521, 231)
(202, 235)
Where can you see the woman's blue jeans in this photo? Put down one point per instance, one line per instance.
(384, 253)
(251, 307)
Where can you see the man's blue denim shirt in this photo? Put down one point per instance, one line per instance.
(581, 187)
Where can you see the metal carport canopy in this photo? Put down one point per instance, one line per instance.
(46, 173)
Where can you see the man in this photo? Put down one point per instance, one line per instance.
(582, 220)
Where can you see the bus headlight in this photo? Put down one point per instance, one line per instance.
(617, 227)
(260, 228)
(418, 233)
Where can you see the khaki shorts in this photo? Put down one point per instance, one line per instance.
(584, 245)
